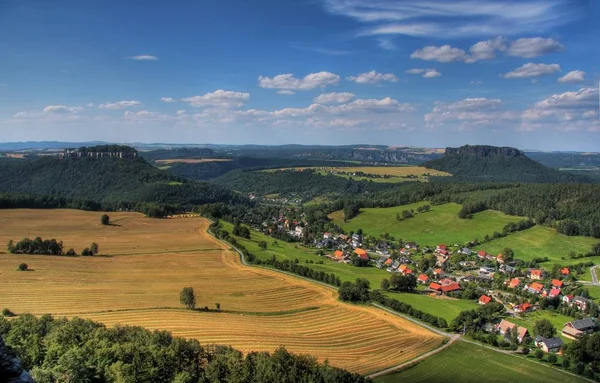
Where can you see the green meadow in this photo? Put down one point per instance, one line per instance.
(440, 225)
(446, 308)
(528, 321)
(465, 363)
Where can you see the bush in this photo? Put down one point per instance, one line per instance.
(7, 313)
(552, 358)
(105, 220)
(23, 267)
(539, 354)
(525, 351)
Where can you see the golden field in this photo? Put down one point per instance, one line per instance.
(395, 172)
(147, 263)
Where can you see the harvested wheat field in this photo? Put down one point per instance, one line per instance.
(154, 259)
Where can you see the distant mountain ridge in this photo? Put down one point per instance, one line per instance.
(490, 163)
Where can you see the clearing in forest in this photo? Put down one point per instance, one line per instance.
(386, 174)
(191, 160)
(150, 260)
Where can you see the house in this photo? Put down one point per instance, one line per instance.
(555, 292)
(567, 299)
(536, 275)
(557, 283)
(549, 344)
(393, 267)
(423, 279)
(515, 282)
(507, 269)
(446, 281)
(410, 245)
(438, 272)
(523, 308)
(388, 262)
(381, 262)
(404, 269)
(357, 238)
(535, 288)
(482, 254)
(484, 300)
(441, 260)
(450, 288)
(575, 329)
(338, 254)
(565, 271)
(486, 270)
(505, 325)
(435, 287)
(466, 251)
(327, 235)
(404, 251)
(500, 258)
(361, 253)
(581, 303)
(343, 237)
(441, 248)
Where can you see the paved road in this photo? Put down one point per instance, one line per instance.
(594, 276)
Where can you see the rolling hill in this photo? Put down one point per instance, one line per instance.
(490, 163)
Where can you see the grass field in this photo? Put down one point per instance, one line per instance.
(440, 225)
(396, 173)
(558, 320)
(191, 160)
(447, 308)
(468, 363)
(539, 242)
(151, 260)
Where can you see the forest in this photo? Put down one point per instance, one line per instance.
(77, 350)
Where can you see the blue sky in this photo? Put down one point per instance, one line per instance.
(429, 73)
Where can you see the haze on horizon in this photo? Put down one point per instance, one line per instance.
(327, 72)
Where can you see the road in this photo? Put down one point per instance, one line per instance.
(594, 276)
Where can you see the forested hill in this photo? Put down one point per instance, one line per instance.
(489, 163)
(105, 180)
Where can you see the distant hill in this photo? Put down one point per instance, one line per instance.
(105, 180)
(490, 163)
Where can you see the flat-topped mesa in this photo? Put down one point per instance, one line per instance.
(483, 151)
(102, 151)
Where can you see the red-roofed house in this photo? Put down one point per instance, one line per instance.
(557, 283)
(422, 278)
(484, 300)
(505, 325)
(481, 254)
(565, 271)
(438, 272)
(327, 235)
(523, 308)
(500, 258)
(514, 283)
(536, 275)
(388, 262)
(339, 254)
(554, 293)
(404, 270)
(451, 287)
(446, 281)
(441, 248)
(361, 253)
(567, 298)
(535, 288)
(435, 287)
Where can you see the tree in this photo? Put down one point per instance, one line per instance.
(86, 252)
(23, 267)
(539, 354)
(262, 245)
(544, 328)
(94, 248)
(105, 219)
(403, 282)
(71, 252)
(10, 246)
(385, 284)
(218, 306)
(508, 255)
(552, 358)
(188, 298)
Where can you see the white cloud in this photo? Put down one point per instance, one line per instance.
(476, 82)
(486, 50)
(470, 113)
(286, 92)
(373, 77)
(533, 47)
(573, 76)
(458, 18)
(219, 99)
(569, 111)
(120, 105)
(443, 54)
(168, 99)
(426, 73)
(532, 70)
(143, 58)
(62, 109)
(334, 98)
(181, 112)
(289, 82)
(323, 51)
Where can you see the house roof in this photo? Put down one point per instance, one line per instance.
(569, 297)
(435, 286)
(389, 261)
(557, 283)
(514, 282)
(485, 299)
(554, 292)
(571, 331)
(481, 253)
(360, 251)
(437, 271)
(537, 273)
(505, 325)
(450, 287)
(423, 277)
(583, 324)
(536, 286)
(523, 307)
(338, 253)
(553, 343)
(441, 247)
(565, 271)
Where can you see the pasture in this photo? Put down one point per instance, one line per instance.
(387, 174)
(191, 160)
(447, 308)
(148, 262)
(440, 225)
(465, 363)
(528, 321)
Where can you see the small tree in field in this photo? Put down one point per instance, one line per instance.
(263, 245)
(94, 248)
(218, 306)
(105, 220)
(188, 298)
(23, 267)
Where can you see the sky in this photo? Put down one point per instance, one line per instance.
(428, 73)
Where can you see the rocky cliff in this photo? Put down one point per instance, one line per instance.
(10, 367)
(484, 151)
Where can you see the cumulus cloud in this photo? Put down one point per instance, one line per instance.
(286, 92)
(219, 99)
(51, 113)
(62, 109)
(443, 54)
(486, 50)
(533, 47)
(168, 99)
(569, 111)
(334, 98)
(469, 113)
(426, 73)
(458, 18)
(532, 70)
(373, 77)
(573, 76)
(289, 82)
(143, 58)
(120, 104)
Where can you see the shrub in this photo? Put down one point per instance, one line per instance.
(105, 220)
(539, 354)
(552, 358)
(7, 313)
(23, 267)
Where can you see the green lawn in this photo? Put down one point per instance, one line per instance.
(292, 251)
(465, 363)
(440, 225)
(441, 307)
(558, 320)
(539, 242)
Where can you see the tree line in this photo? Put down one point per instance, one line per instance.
(79, 350)
(39, 246)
